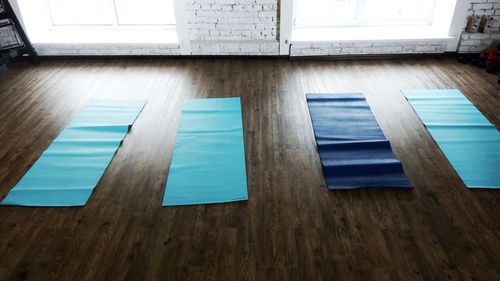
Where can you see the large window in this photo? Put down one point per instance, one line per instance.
(344, 20)
(352, 13)
(99, 21)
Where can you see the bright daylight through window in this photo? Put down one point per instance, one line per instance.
(363, 12)
(315, 20)
(99, 21)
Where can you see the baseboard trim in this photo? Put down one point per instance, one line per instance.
(375, 56)
(248, 57)
(255, 57)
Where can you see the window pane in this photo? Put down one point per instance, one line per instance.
(81, 12)
(145, 11)
(324, 12)
(399, 10)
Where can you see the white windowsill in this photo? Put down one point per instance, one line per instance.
(407, 33)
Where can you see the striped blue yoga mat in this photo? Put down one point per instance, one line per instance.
(469, 141)
(68, 171)
(353, 150)
(208, 163)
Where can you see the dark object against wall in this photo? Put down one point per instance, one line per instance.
(9, 19)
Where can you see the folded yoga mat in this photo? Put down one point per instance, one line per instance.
(469, 141)
(208, 163)
(353, 149)
(68, 171)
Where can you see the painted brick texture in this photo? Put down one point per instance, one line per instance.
(476, 42)
(232, 20)
(108, 49)
(233, 27)
(367, 48)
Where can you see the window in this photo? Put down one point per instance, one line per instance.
(352, 13)
(368, 21)
(99, 21)
(110, 12)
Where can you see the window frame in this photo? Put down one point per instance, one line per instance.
(37, 23)
(451, 27)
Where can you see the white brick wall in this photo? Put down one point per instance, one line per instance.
(476, 42)
(253, 47)
(232, 19)
(108, 49)
(233, 27)
(366, 48)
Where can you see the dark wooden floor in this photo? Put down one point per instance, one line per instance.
(292, 227)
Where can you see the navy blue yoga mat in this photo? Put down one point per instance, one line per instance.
(353, 149)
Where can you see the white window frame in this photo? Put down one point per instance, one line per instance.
(180, 28)
(287, 27)
(359, 19)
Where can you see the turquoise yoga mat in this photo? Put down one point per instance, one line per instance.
(208, 163)
(469, 141)
(68, 171)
